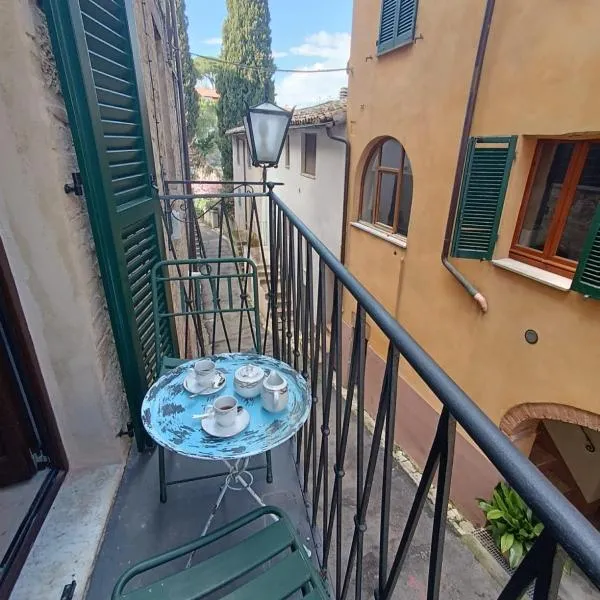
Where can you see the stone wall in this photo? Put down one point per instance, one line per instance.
(47, 233)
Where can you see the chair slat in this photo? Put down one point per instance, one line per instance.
(200, 580)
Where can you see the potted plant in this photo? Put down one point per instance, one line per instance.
(511, 523)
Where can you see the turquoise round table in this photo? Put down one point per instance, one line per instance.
(167, 412)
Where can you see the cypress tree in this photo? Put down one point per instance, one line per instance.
(247, 42)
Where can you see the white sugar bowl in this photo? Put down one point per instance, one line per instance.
(247, 381)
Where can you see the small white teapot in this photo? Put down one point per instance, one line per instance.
(275, 393)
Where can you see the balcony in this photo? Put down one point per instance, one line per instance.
(373, 530)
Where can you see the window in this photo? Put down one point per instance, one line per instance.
(387, 188)
(309, 154)
(287, 152)
(397, 24)
(237, 150)
(561, 201)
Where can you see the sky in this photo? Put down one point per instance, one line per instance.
(307, 34)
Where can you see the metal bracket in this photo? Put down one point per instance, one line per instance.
(127, 431)
(68, 592)
(76, 187)
(41, 460)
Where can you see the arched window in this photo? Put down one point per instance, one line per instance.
(386, 194)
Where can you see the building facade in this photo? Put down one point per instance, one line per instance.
(311, 172)
(51, 274)
(524, 232)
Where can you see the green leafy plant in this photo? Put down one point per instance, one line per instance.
(511, 523)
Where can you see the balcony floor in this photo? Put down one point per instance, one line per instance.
(140, 526)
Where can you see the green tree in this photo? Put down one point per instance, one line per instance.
(205, 140)
(206, 69)
(247, 42)
(188, 72)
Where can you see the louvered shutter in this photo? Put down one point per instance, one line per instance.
(405, 28)
(387, 25)
(397, 24)
(95, 48)
(485, 178)
(587, 276)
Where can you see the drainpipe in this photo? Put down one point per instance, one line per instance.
(462, 152)
(346, 143)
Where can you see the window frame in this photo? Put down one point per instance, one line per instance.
(303, 170)
(397, 41)
(248, 154)
(378, 173)
(287, 151)
(547, 259)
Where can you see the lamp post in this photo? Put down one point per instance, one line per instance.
(266, 128)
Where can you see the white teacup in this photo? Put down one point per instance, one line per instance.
(204, 372)
(274, 393)
(224, 410)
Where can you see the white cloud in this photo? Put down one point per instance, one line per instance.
(213, 41)
(325, 45)
(276, 54)
(304, 89)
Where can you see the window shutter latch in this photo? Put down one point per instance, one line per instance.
(76, 187)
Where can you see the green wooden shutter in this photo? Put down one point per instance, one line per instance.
(387, 25)
(485, 178)
(397, 24)
(407, 16)
(587, 276)
(95, 46)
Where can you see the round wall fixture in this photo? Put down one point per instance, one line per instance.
(531, 336)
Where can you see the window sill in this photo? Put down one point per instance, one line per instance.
(397, 46)
(553, 280)
(392, 238)
(308, 175)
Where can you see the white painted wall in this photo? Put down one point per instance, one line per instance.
(318, 201)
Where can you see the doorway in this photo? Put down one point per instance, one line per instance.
(32, 460)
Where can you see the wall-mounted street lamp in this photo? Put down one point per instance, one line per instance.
(266, 128)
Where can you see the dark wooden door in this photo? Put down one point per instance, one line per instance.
(16, 462)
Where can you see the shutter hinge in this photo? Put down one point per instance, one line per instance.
(68, 592)
(76, 187)
(127, 431)
(40, 460)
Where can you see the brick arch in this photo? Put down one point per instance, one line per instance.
(521, 418)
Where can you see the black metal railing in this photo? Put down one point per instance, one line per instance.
(313, 302)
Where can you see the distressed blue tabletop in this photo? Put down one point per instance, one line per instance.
(168, 408)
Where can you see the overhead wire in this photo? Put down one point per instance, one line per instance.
(260, 68)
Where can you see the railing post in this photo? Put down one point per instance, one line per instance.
(273, 270)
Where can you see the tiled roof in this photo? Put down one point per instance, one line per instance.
(205, 92)
(333, 111)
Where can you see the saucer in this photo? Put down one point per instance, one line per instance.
(205, 391)
(210, 426)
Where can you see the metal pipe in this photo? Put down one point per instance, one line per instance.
(570, 528)
(462, 153)
(191, 233)
(204, 181)
(217, 195)
(346, 143)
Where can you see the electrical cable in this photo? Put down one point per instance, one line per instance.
(274, 69)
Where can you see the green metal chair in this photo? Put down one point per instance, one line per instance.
(208, 287)
(272, 564)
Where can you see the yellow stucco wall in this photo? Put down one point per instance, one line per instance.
(540, 77)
